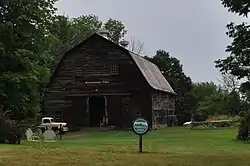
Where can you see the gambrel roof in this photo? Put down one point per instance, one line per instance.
(152, 74)
(150, 71)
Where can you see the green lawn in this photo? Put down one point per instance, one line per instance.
(171, 146)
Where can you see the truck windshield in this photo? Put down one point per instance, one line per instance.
(52, 120)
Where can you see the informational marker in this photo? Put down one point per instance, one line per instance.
(140, 127)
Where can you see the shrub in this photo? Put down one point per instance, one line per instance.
(9, 130)
(199, 117)
(28, 123)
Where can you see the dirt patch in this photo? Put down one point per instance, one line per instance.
(6, 154)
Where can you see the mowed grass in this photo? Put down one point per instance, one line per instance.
(171, 146)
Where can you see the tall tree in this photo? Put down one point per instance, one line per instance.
(66, 32)
(116, 30)
(238, 62)
(241, 7)
(229, 82)
(23, 27)
(85, 25)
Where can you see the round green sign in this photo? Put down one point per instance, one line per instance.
(140, 126)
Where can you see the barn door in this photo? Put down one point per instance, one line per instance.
(114, 111)
(79, 113)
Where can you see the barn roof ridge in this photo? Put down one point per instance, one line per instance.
(149, 70)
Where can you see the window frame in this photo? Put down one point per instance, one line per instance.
(115, 69)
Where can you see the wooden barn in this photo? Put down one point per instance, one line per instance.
(99, 83)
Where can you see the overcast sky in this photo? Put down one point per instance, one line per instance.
(191, 30)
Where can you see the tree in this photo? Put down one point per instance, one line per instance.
(213, 100)
(229, 82)
(65, 33)
(116, 30)
(234, 103)
(136, 46)
(23, 27)
(182, 84)
(232, 100)
(206, 95)
(241, 7)
(238, 62)
(85, 25)
(203, 89)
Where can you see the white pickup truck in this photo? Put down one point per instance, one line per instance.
(50, 123)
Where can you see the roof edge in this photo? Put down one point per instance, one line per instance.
(155, 88)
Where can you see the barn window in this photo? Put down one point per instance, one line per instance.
(115, 69)
(79, 71)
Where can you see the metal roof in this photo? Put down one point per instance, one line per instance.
(152, 74)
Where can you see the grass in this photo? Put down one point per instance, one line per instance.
(171, 146)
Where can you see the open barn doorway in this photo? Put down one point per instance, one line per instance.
(97, 106)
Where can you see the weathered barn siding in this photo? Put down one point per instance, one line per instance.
(126, 109)
(95, 59)
(86, 71)
(140, 106)
(163, 109)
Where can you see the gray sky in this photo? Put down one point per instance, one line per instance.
(191, 30)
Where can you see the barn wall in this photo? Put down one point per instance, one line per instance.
(123, 110)
(163, 109)
(77, 114)
(139, 105)
(87, 70)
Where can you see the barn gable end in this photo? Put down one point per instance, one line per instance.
(150, 71)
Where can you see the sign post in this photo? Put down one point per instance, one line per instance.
(140, 127)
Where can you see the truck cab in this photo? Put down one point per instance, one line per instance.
(49, 122)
